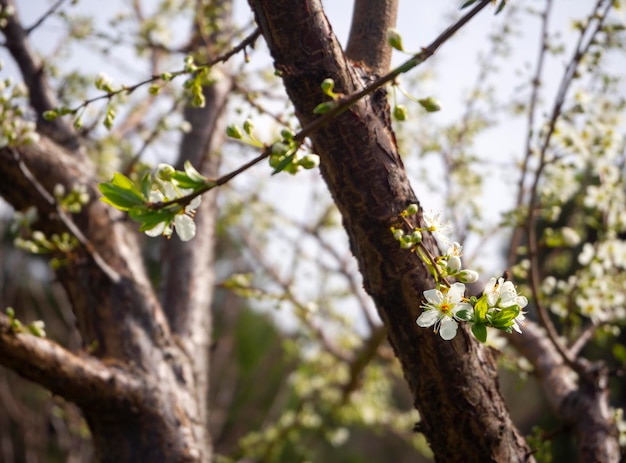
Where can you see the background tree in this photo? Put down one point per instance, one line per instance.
(133, 327)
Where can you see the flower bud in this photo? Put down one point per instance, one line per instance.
(412, 209)
(467, 276)
(454, 264)
(394, 39)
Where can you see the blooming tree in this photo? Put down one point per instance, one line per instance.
(150, 370)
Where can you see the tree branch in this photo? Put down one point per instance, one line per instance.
(582, 402)
(367, 42)
(31, 67)
(45, 16)
(84, 380)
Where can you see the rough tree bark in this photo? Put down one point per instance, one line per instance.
(454, 384)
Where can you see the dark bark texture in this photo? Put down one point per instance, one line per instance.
(454, 384)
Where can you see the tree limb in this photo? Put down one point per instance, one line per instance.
(367, 42)
(84, 380)
(581, 402)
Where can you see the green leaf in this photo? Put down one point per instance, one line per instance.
(184, 181)
(480, 331)
(193, 174)
(282, 165)
(468, 3)
(146, 185)
(120, 197)
(325, 107)
(481, 308)
(148, 218)
(504, 318)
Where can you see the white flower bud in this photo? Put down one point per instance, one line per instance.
(58, 191)
(453, 265)
(467, 276)
(570, 236)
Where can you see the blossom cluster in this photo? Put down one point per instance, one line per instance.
(583, 188)
(499, 306)
(163, 201)
(166, 189)
(15, 129)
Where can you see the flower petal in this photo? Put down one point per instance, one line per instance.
(456, 292)
(428, 318)
(193, 205)
(448, 327)
(157, 230)
(433, 296)
(185, 227)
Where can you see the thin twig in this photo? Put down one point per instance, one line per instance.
(45, 16)
(113, 275)
(248, 41)
(580, 51)
(411, 63)
(342, 104)
(532, 109)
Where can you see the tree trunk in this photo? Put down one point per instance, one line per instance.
(143, 390)
(454, 384)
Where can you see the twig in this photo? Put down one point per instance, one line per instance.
(583, 339)
(248, 41)
(31, 68)
(113, 275)
(411, 63)
(45, 16)
(285, 286)
(531, 227)
(532, 109)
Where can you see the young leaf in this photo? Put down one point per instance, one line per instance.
(192, 173)
(468, 3)
(120, 197)
(480, 331)
(146, 185)
(282, 165)
(149, 219)
(324, 107)
(480, 309)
